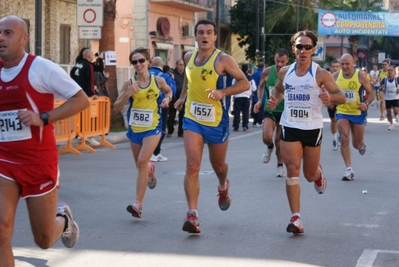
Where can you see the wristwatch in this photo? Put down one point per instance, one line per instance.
(44, 118)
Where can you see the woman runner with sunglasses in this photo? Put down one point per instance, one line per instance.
(143, 91)
(305, 87)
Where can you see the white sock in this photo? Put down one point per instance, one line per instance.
(196, 212)
(296, 214)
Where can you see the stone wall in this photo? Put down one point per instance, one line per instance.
(54, 13)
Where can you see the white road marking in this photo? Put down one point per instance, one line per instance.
(369, 255)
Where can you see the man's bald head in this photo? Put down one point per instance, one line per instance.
(21, 24)
(157, 62)
(346, 57)
(88, 54)
(14, 32)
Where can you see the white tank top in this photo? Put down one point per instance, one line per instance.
(302, 105)
(391, 88)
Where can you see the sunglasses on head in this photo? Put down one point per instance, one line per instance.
(301, 46)
(141, 60)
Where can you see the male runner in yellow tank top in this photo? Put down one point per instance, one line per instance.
(351, 116)
(206, 120)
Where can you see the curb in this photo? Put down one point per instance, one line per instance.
(112, 137)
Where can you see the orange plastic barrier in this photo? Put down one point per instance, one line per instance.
(66, 130)
(95, 121)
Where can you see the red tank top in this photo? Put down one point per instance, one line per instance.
(19, 94)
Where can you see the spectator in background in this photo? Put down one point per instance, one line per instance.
(83, 74)
(178, 75)
(241, 102)
(258, 117)
(79, 57)
(100, 76)
(166, 69)
(157, 70)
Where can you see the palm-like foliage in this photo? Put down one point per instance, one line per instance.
(389, 45)
(285, 17)
(243, 23)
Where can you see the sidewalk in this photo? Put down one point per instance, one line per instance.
(112, 137)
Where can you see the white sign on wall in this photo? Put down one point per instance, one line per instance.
(110, 58)
(89, 32)
(90, 12)
(381, 57)
(319, 53)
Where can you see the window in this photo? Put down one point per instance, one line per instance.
(163, 54)
(65, 44)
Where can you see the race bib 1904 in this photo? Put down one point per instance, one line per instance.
(299, 113)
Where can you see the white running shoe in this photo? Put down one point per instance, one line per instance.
(71, 234)
(391, 127)
(295, 226)
(152, 180)
(153, 158)
(280, 171)
(349, 175)
(161, 158)
(335, 145)
(321, 184)
(267, 155)
(362, 150)
(92, 141)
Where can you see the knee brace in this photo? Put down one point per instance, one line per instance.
(292, 181)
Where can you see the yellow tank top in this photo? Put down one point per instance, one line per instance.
(199, 107)
(383, 74)
(144, 111)
(351, 88)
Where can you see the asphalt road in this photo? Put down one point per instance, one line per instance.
(343, 227)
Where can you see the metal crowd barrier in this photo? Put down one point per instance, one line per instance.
(93, 121)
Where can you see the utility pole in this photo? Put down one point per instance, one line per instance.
(263, 39)
(217, 22)
(297, 15)
(257, 32)
(38, 27)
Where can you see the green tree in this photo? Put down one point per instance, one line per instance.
(282, 20)
(243, 23)
(387, 44)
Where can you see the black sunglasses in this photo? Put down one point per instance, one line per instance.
(301, 46)
(141, 60)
